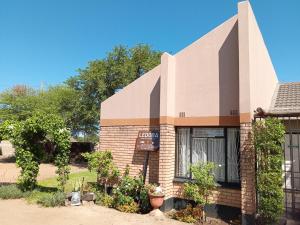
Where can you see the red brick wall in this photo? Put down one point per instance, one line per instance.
(167, 159)
(247, 170)
(222, 196)
(121, 140)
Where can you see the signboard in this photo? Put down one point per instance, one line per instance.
(148, 141)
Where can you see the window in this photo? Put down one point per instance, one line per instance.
(218, 145)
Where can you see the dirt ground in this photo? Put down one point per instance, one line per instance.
(18, 212)
(9, 172)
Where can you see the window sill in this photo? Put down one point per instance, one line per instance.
(219, 185)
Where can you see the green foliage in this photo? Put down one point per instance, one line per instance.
(29, 138)
(104, 200)
(268, 140)
(189, 214)
(11, 192)
(21, 102)
(101, 78)
(202, 184)
(52, 199)
(102, 163)
(131, 207)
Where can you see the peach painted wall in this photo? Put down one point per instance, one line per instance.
(140, 99)
(258, 78)
(207, 74)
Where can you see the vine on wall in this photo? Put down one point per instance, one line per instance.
(29, 138)
(268, 140)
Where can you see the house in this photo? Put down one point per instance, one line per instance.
(202, 102)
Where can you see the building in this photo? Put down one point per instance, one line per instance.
(202, 101)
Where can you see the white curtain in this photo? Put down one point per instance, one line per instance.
(199, 153)
(232, 154)
(183, 152)
(216, 154)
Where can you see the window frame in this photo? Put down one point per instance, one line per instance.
(225, 137)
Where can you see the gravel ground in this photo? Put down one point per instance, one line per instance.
(9, 172)
(18, 212)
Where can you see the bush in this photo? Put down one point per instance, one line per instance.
(52, 200)
(11, 192)
(102, 163)
(189, 214)
(203, 183)
(268, 139)
(129, 207)
(104, 200)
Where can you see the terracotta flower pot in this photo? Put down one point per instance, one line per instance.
(156, 201)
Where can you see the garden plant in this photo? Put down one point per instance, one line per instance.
(198, 190)
(29, 138)
(268, 140)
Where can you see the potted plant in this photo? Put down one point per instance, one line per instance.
(156, 196)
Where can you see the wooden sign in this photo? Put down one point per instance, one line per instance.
(148, 141)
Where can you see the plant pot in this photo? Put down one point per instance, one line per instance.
(156, 201)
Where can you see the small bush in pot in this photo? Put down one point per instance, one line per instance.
(156, 196)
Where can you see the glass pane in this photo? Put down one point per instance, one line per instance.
(183, 152)
(208, 132)
(233, 146)
(216, 154)
(199, 153)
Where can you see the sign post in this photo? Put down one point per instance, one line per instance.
(147, 141)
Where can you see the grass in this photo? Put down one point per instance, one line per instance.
(11, 192)
(74, 177)
(48, 187)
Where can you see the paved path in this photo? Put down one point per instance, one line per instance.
(18, 212)
(9, 172)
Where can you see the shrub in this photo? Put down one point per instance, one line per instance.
(1, 151)
(102, 163)
(203, 183)
(129, 207)
(144, 201)
(28, 137)
(189, 214)
(268, 139)
(52, 200)
(11, 192)
(104, 200)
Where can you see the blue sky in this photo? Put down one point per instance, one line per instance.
(46, 41)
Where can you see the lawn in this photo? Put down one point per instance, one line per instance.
(49, 186)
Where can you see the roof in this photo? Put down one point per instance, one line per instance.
(286, 98)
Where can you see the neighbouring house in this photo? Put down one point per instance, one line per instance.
(202, 102)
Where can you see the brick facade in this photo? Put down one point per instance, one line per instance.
(167, 159)
(247, 170)
(121, 140)
(222, 196)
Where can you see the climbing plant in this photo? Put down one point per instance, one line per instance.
(30, 137)
(268, 139)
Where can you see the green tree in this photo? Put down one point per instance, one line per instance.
(21, 102)
(101, 78)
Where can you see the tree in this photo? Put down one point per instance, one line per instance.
(29, 138)
(21, 102)
(101, 78)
